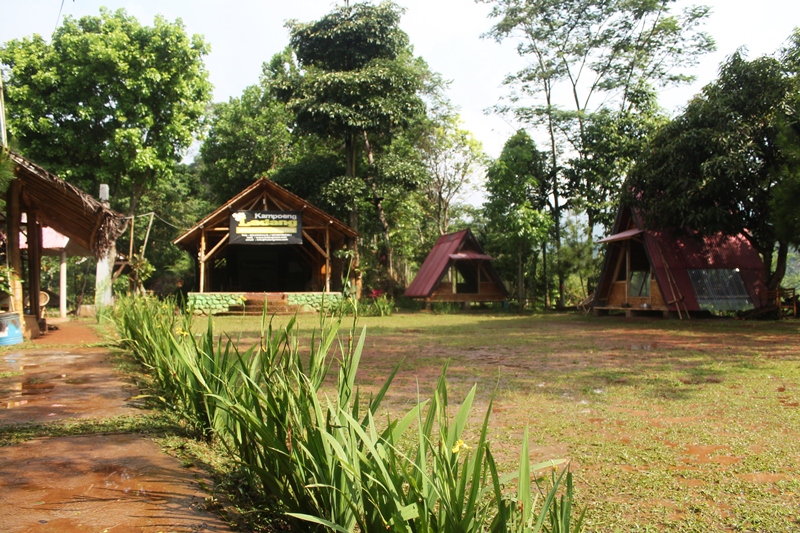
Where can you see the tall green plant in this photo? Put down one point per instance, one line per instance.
(320, 451)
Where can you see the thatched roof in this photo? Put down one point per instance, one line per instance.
(65, 207)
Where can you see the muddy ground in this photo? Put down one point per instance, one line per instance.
(104, 483)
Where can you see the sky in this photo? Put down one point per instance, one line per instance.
(446, 33)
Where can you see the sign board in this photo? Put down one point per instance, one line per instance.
(266, 227)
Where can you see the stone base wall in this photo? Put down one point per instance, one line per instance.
(211, 303)
(313, 301)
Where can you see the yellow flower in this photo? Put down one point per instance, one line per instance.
(183, 333)
(460, 445)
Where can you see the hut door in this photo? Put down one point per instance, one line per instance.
(639, 273)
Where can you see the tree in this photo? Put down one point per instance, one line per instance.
(360, 84)
(593, 49)
(248, 138)
(451, 156)
(612, 141)
(721, 166)
(108, 100)
(516, 222)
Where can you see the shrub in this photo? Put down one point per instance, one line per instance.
(324, 456)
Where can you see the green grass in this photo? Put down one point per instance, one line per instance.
(625, 400)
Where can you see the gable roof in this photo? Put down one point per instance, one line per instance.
(64, 207)
(460, 246)
(247, 199)
(677, 255)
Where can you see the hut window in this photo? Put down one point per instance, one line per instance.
(720, 289)
(639, 285)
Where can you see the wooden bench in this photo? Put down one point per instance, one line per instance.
(783, 299)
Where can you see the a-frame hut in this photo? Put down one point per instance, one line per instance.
(655, 271)
(266, 242)
(457, 270)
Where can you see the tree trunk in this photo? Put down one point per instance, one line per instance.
(378, 202)
(350, 171)
(556, 204)
(544, 277)
(780, 267)
(520, 279)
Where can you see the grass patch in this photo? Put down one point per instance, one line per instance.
(630, 402)
(147, 424)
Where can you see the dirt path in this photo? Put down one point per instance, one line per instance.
(103, 483)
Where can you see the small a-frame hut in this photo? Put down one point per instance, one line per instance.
(470, 276)
(656, 271)
(266, 240)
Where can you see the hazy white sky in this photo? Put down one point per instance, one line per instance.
(245, 33)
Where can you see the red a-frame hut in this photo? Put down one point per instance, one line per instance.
(472, 278)
(648, 271)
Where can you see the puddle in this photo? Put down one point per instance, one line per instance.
(29, 389)
(645, 347)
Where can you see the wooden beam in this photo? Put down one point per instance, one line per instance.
(14, 256)
(223, 242)
(34, 263)
(314, 243)
(327, 260)
(201, 254)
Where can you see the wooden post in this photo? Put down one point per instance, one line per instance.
(201, 256)
(327, 260)
(62, 285)
(14, 257)
(34, 263)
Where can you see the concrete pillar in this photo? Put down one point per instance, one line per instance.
(62, 286)
(103, 294)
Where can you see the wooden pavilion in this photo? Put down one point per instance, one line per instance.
(470, 276)
(267, 240)
(655, 271)
(46, 199)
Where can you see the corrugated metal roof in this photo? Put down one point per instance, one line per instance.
(684, 253)
(627, 234)
(449, 248)
(471, 255)
(672, 257)
(51, 240)
(435, 265)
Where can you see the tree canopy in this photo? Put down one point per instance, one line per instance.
(108, 100)
(726, 164)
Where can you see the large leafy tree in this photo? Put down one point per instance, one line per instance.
(452, 158)
(590, 50)
(726, 165)
(248, 138)
(516, 206)
(359, 83)
(108, 100)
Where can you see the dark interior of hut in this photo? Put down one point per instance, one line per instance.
(277, 268)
